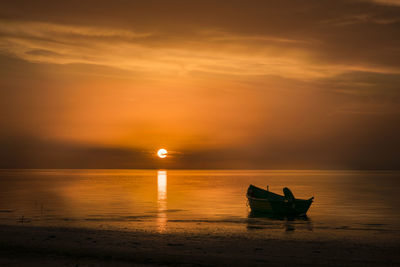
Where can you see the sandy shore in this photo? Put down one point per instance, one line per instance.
(49, 246)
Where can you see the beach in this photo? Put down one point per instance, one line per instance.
(48, 246)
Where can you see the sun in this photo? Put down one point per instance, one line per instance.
(162, 153)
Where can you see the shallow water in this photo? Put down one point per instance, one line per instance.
(348, 204)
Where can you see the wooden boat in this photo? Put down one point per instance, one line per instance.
(264, 201)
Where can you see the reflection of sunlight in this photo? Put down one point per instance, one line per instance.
(162, 200)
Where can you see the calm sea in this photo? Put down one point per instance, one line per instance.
(348, 204)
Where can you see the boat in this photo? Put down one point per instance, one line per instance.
(264, 201)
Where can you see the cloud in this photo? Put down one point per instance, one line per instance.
(28, 152)
(388, 2)
(361, 18)
(42, 52)
(210, 51)
(45, 30)
(303, 41)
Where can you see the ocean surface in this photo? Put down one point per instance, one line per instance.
(348, 204)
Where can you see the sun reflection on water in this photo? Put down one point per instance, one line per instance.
(162, 200)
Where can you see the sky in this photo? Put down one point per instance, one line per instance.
(219, 84)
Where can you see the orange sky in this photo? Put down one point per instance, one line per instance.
(255, 84)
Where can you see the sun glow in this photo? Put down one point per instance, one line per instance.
(162, 153)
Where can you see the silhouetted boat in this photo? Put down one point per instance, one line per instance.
(261, 200)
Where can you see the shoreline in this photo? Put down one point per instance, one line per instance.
(68, 246)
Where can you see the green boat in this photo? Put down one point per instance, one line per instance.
(264, 201)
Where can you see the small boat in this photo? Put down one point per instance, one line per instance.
(264, 201)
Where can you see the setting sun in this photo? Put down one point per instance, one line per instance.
(162, 153)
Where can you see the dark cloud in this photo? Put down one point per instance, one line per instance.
(360, 143)
(42, 52)
(28, 152)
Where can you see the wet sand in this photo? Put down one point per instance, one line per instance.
(50, 246)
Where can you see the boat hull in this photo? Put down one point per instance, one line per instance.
(259, 205)
(273, 203)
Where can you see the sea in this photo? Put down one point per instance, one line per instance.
(362, 205)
